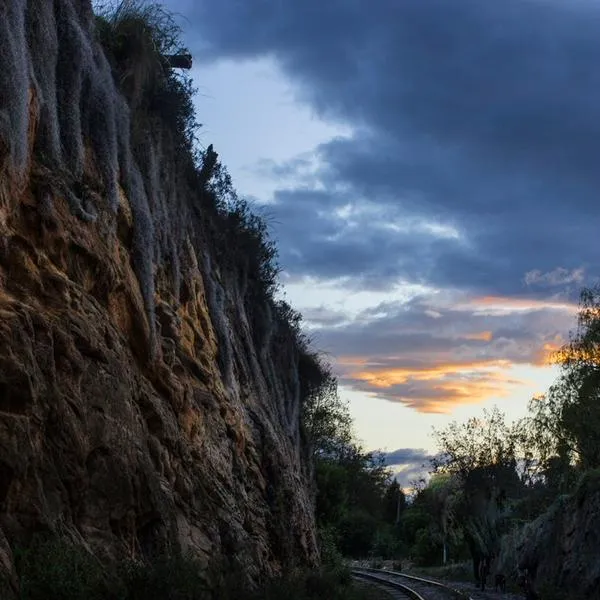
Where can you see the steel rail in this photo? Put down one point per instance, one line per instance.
(413, 594)
(452, 592)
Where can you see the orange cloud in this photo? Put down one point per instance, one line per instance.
(437, 388)
(483, 336)
(508, 304)
(442, 398)
(464, 356)
(388, 377)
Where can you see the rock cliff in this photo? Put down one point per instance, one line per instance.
(560, 548)
(150, 396)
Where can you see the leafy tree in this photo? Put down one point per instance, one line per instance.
(394, 503)
(475, 444)
(326, 416)
(332, 492)
(565, 423)
(386, 543)
(357, 532)
(416, 517)
(354, 487)
(442, 489)
(430, 524)
(482, 455)
(426, 549)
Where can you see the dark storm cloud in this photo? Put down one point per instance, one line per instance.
(407, 456)
(421, 327)
(483, 117)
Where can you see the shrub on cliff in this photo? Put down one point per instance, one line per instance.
(50, 568)
(137, 36)
(241, 235)
(167, 578)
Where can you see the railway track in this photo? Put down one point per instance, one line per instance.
(409, 586)
(389, 592)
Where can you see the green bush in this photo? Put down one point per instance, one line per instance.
(427, 550)
(357, 532)
(331, 556)
(173, 578)
(50, 568)
(385, 543)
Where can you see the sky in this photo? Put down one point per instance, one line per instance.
(430, 172)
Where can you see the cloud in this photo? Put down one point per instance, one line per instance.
(408, 464)
(475, 131)
(439, 390)
(558, 277)
(321, 316)
(435, 354)
(406, 456)
(484, 336)
(497, 305)
(407, 476)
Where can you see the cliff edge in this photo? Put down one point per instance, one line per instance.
(150, 386)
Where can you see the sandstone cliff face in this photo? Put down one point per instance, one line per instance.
(560, 548)
(141, 406)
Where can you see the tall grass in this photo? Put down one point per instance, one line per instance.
(53, 569)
